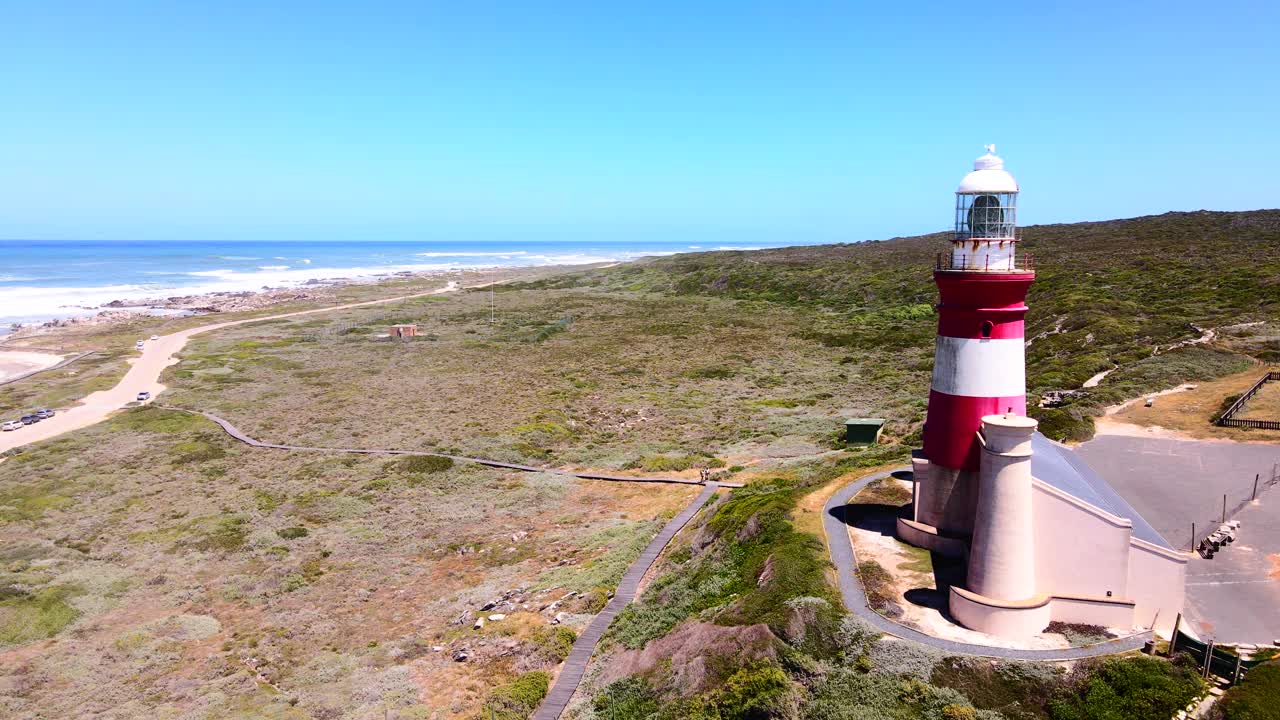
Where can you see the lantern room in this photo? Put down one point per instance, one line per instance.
(986, 201)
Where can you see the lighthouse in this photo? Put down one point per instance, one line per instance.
(1040, 535)
(978, 365)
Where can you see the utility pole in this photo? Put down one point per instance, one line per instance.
(1256, 477)
(491, 305)
(1224, 507)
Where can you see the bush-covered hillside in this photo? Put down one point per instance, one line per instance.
(1114, 293)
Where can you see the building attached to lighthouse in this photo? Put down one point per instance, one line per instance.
(1043, 537)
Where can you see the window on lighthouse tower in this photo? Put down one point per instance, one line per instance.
(986, 217)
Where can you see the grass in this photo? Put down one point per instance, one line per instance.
(35, 615)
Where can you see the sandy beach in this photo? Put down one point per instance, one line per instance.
(15, 363)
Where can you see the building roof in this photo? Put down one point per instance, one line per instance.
(1059, 466)
(988, 176)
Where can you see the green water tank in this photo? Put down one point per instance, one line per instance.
(863, 431)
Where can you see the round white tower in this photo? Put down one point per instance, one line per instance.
(1002, 556)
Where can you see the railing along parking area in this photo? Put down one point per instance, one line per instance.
(1228, 419)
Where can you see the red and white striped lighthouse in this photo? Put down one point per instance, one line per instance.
(978, 364)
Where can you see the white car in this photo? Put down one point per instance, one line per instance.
(139, 345)
(155, 337)
(12, 425)
(144, 396)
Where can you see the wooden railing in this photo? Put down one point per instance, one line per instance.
(1228, 419)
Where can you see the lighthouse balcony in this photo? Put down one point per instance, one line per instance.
(985, 262)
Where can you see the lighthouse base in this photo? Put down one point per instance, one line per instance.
(927, 537)
(945, 498)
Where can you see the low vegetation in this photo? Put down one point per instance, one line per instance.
(234, 569)
(181, 572)
(1136, 688)
(1253, 699)
(1124, 293)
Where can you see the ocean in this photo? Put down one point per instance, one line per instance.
(43, 280)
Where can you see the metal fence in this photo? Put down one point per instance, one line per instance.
(1212, 659)
(1209, 514)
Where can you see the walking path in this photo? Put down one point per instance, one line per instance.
(239, 434)
(855, 600)
(144, 374)
(584, 647)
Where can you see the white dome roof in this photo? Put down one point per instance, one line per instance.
(988, 176)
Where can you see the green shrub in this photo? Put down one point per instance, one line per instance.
(627, 699)
(424, 464)
(517, 699)
(1132, 688)
(292, 533)
(1256, 698)
(195, 451)
(958, 712)
(1224, 406)
(674, 463)
(553, 643)
(754, 691)
(35, 615)
(716, 372)
(227, 534)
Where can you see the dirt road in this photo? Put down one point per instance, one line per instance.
(144, 374)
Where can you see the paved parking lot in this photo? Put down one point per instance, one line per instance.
(1235, 597)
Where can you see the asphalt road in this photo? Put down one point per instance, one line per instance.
(1235, 597)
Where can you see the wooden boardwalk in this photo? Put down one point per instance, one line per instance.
(576, 664)
(239, 434)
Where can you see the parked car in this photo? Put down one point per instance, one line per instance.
(30, 419)
(144, 396)
(139, 345)
(12, 425)
(45, 413)
(155, 337)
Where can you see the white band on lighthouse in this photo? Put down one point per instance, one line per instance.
(979, 367)
(986, 256)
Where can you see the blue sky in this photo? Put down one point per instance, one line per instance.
(777, 122)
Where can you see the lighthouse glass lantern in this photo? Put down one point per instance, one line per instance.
(986, 217)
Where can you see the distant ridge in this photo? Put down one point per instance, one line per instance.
(1108, 293)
